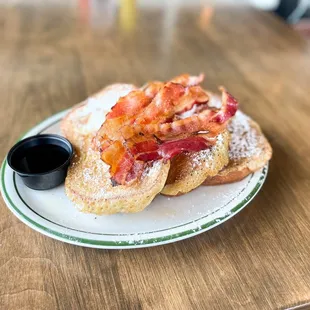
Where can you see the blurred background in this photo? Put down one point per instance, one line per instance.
(101, 13)
(294, 12)
(59, 52)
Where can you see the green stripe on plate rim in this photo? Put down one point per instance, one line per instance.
(105, 243)
(85, 241)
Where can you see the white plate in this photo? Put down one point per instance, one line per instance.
(164, 220)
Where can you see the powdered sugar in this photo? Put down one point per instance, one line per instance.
(206, 155)
(153, 169)
(87, 174)
(91, 114)
(220, 138)
(244, 139)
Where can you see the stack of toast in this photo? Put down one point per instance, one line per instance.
(239, 150)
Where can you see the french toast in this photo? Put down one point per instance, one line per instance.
(249, 151)
(189, 170)
(88, 181)
(83, 120)
(131, 144)
(88, 185)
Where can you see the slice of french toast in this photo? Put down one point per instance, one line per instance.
(88, 185)
(83, 120)
(249, 151)
(189, 170)
(88, 181)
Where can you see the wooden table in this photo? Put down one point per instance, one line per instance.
(54, 55)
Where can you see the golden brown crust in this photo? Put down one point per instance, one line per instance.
(239, 168)
(230, 177)
(88, 185)
(188, 171)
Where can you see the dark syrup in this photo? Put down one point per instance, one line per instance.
(42, 158)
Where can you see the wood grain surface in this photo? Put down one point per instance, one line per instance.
(54, 54)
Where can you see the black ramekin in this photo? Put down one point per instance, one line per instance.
(41, 180)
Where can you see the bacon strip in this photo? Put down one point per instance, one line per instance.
(120, 115)
(130, 162)
(187, 80)
(152, 88)
(147, 125)
(129, 105)
(170, 149)
(229, 107)
(206, 120)
(161, 106)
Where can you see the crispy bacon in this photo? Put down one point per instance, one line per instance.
(120, 115)
(208, 119)
(146, 150)
(169, 149)
(131, 161)
(162, 105)
(187, 80)
(171, 99)
(151, 89)
(129, 105)
(152, 124)
(146, 146)
(229, 107)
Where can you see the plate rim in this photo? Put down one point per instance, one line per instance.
(107, 244)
